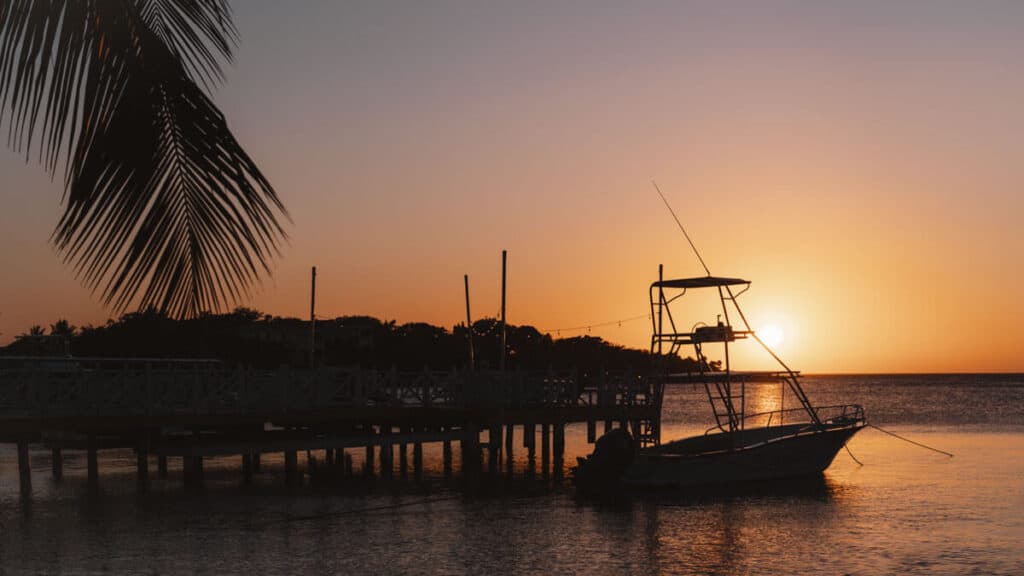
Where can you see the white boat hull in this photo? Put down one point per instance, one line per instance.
(751, 455)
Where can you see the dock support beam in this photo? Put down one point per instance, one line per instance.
(545, 450)
(509, 445)
(24, 468)
(291, 467)
(256, 462)
(494, 449)
(142, 470)
(92, 466)
(247, 469)
(57, 460)
(193, 468)
(403, 458)
(417, 461)
(530, 443)
(470, 445)
(161, 466)
(387, 471)
(559, 448)
(368, 463)
(446, 450)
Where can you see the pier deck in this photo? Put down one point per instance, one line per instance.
(193, 409)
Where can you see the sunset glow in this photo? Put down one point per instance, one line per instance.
(771, 335)
(876, 146)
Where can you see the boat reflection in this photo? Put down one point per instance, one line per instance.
(814, 487)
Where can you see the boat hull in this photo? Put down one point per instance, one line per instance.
(754, 455)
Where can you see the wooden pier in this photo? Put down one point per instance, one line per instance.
(196, 409)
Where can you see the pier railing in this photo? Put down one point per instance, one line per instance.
(72, 387)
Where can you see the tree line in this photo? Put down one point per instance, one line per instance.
(247, 337)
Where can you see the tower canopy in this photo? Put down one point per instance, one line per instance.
(701, 282)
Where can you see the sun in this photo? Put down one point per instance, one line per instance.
(770, 334)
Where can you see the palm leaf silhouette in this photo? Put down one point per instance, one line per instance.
(162, 207)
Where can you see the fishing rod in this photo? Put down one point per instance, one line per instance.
(680, 224)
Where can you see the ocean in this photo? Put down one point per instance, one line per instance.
(906, 510)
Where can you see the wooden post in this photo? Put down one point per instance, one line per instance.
(196, 475)
(608, 425)
(509, 444)
(545, 450)
(247, 469)
(93, 469)
(291, 467)
(403, 456)
(591, 431)
(161, 466)
(494, 449)
(469, 325)
(256, 462)
(446, 450)
(417, 461)
(142, 470)
(368, 464)
(559, 448)
(504, 258)
(24, 468)
(58, 463)
(470, 445)
(530, 442)
(386, 455)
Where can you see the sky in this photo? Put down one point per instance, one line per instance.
(859, 162)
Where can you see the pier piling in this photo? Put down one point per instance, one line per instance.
(545, 450)
(291, 468)
(247, 469)
(368, 463)
(494, 449)
(92, 465)
(470, 445)
(161, 466)
(24, 468)
(403, 462)
(509, 444)
(446, 456)
(57, 462)
(142, 470)
(417, 461)
(194, 479)
(559, 449)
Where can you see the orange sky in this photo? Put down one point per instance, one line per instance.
(860, 163)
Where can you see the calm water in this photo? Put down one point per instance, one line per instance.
(907, 510)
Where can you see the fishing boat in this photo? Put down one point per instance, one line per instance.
(741, 447)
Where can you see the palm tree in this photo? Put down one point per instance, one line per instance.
(162, 207)
(64, 329)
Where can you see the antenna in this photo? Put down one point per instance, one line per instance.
(680, 224)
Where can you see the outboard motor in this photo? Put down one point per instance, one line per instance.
(603, 469)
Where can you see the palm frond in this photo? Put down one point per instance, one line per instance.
(163, 207)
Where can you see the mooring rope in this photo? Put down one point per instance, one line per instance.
(894, 435)
(859, 463)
